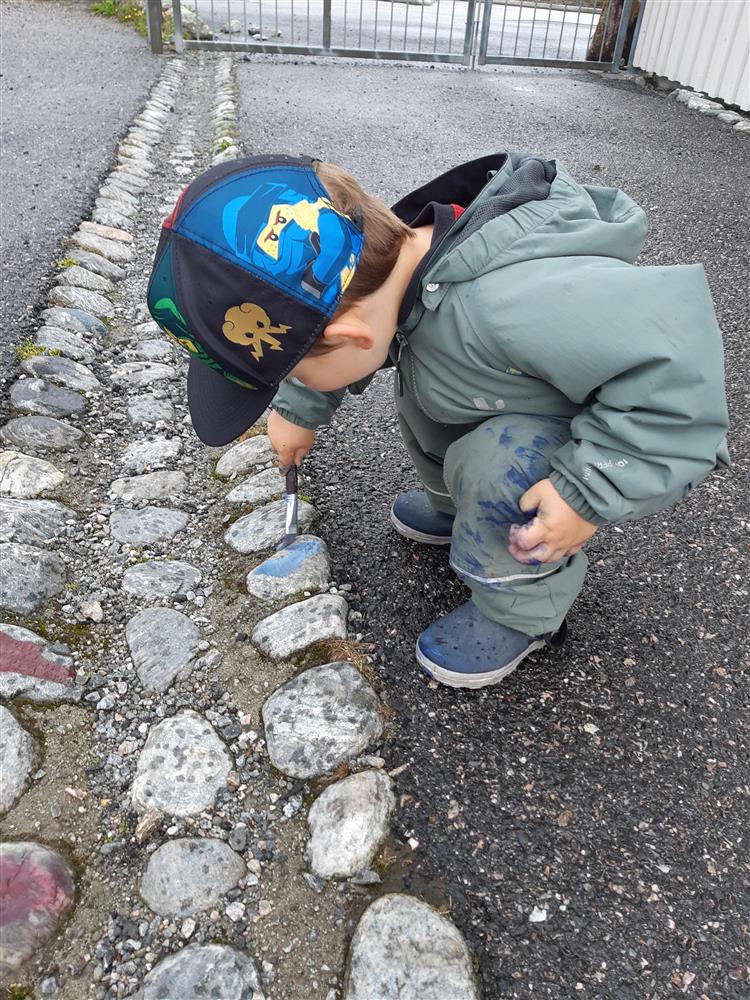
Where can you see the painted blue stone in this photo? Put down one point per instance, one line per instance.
(290, 559)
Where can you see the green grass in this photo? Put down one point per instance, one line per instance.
(28, 349)
(125, 11)
(66, 262)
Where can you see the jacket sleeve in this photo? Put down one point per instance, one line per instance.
(640, 349)
(308, 407)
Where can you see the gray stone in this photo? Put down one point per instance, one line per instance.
(153, 453)
(38, 396)
(211, 970)
(265, 527)
(38, 892)
(130, 172)
(151, 486)
(65, 342)
(193, 25)
(80, 277)
(729, 117)
(742, 126)
(231, 28)
(138, 373)
(94, 261)
(293, 629)
(40, 434)
(266, 485)
(16, 758)
(348, 822)
(181, 768)
(246, 455)
(127, 180)
(32, 522)
(44, 674)
(150, 410)
(404, 950)
(304, 565)
(149, 330)
(146, 526)
(163, 644)
(155, 580)
(23, 476)
(707, 107)
(118, 200)
(80, 298)
(155, 350)
(111, 249)
(319, 719)
(106, 232)
(61, 371)
(188, 876)
(30, 577)
(110, 216)
(75, 320)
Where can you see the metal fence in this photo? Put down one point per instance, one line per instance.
(589, 33)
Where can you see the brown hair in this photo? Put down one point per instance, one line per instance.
(384, 233)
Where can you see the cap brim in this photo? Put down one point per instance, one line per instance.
(220, 409)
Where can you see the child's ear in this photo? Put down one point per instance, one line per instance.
(349, 330)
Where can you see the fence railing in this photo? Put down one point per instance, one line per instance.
(563, 33)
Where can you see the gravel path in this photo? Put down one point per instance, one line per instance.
(587, 820)
(71, 82)
(193, 800)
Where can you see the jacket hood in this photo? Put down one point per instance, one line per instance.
(570, 220)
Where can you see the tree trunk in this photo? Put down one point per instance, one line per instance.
(604, 40)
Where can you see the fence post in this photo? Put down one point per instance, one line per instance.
(153, 20)
(326, 24)
(621, 33)
(179, 42)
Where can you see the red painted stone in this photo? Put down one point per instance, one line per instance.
(27, 658)
(36, 890)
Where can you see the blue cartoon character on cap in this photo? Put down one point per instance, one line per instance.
(307, 242)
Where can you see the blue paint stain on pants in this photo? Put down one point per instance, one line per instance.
(487, 471)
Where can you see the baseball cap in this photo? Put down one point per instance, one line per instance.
(250, 266)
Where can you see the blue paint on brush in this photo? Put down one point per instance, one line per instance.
(289, 559)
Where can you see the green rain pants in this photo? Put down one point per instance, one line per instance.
(479, 473)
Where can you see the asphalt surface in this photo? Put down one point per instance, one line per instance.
(71, 83)
(606, 787)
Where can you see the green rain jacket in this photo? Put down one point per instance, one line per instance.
(540, 310)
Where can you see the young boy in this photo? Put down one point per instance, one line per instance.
(544, 385)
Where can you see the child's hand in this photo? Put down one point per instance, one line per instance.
(290, 442)
(555, 532)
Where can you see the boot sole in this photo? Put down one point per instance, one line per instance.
(452, 678)
(418, 536)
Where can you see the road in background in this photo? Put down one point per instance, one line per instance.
(71, 82)
(587, 819)
(524, 32)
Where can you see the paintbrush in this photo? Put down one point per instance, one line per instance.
(291, 508)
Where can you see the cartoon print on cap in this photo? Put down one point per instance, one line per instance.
(165, 312)
(250, 325)
(285, 234)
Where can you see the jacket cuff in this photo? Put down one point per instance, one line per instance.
(575, 499)
(293, 418)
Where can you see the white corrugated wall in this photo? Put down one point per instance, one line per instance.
(703, 44)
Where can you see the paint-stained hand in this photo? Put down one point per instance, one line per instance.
(290, 442)
(555, 532)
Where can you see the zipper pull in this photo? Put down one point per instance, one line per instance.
(399, 377)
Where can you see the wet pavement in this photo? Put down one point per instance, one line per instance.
(586, 821)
